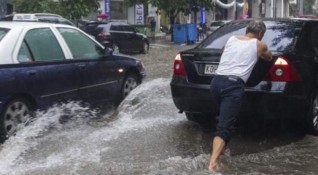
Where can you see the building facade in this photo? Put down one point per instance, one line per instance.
(253, 9)
(224, 10)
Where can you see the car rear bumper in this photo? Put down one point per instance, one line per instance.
(270, 101)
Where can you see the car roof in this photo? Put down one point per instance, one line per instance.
(118, 23)
(37, 17)
(279, 19)
(15, 24)
(266, 20)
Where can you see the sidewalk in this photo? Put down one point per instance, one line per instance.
(162, 38)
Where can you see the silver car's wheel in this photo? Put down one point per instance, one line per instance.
(130, 83)
(17, 112)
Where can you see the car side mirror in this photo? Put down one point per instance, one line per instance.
(108, 51)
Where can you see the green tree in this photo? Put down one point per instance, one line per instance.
(71, 9)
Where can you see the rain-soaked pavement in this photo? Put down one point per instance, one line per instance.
(146, 135)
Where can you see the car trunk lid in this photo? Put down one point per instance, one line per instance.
(200, 64)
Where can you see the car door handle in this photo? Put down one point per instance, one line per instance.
(82, 66)
(31, 72)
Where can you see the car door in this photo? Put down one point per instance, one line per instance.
(118, 35)
(44, 71)
(133, 40)
(99, 74)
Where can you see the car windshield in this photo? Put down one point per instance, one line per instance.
(279, 36)
(3, 32)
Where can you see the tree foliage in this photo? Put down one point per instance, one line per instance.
(72, 9)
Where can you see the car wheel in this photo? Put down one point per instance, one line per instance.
(16, 112)
(115, 49)
(312, 117)
(206, 121)
(130, 83)
(145, 48)
(198, 118)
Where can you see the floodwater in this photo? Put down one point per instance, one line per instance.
(146, 135)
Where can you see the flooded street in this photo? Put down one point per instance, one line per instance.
(146, 135)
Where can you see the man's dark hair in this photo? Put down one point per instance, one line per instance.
(256, 26)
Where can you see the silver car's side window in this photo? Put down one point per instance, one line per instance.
(81, 46)
(41, 45)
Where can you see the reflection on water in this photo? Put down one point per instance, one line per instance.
(145, 135)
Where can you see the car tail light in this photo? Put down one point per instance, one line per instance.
(282, 70)
(178, 68)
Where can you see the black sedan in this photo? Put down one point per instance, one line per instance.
(119, 36)
(283, 88)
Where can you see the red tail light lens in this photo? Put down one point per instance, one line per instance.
(178, 68)
(282, 70)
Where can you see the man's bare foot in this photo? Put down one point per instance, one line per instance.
(214, 167)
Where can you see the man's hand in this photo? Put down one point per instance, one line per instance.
(263, 52)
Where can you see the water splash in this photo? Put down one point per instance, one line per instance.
(27, 137)
(76, 143)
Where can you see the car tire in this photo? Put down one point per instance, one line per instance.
(145, 48)
(15, 112)
(205, 120)
(130, 82)
(116, 49)
(312, 116)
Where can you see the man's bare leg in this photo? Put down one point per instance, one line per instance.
(218, 145)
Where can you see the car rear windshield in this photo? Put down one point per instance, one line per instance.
(279, 35)
(3, 32)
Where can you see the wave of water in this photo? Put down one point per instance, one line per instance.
(144, 135)
(46, 143)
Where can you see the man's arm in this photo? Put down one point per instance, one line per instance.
(263, 51)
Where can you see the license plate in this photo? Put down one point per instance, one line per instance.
(210, 69)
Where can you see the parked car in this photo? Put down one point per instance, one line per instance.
(91, 27)
(42, 64)
(216, 24)
(37, 17)
(284, 88)
(121, 37)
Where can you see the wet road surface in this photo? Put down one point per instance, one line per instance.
(147, 135)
